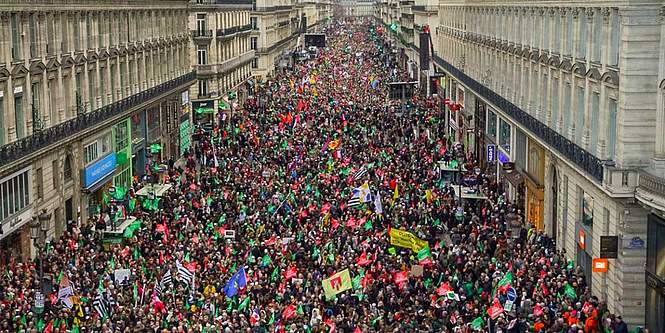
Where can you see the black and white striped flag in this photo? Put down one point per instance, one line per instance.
(360, 173)
(104, 303)
(184, 274)
(166, 281)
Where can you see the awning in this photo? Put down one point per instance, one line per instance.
(514, 177)
(100, 183)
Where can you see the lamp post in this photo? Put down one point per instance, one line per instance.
(39, 226)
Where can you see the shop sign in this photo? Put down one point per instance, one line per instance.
(609, 247)
(503, 158)
(185, 97)
(634, 243)
(207, 106)
(39, 302)
(581, 239)
(99, 170)
(491, 153)
(600, 265)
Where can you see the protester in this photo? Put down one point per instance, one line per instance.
(295, 195)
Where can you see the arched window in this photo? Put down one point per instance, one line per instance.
(67, 168)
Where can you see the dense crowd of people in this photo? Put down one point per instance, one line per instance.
(311, 178)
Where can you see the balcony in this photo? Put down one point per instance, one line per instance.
(584, 160)
(245, 28)
(651, 190)
(205, 70)
(227, 33)
(233, 63)
(73, 129)
(202, 35)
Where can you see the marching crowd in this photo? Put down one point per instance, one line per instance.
(285, 218)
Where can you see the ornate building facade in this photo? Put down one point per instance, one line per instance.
(85, 87)
(569, 98)
(222, 54)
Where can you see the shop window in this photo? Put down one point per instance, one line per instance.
(491, 125)
(67, 168)
(587, 210)
(121, 137)
(504, 135)
(14, 194)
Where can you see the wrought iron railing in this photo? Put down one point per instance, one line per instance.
(12, 152)
(227, 31)
(651, 183)
(202, 33)
(580, 157)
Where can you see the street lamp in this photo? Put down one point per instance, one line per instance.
(38, 227)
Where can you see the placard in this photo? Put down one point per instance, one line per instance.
(416, 270)
(491, 153)
(600, 265)
(609, 247)
(121, 276)
(229, 234)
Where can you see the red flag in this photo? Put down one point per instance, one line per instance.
(351, 223)
(443, 289)
(125, 252)
(270, 241)
(49, 327)
(362, 260)
(495, 310)
(191, 266)
(357, 330)
(335, 223)
(290, 273)
(537, 310)
(401, 277)
(289, 312)
(195, 239)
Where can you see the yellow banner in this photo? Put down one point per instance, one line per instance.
(337, 283)
(406, 239)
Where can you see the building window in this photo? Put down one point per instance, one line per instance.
(202, 55)
(90, 152)
(611, 128)
(254, 22)
(34, 43)
(67, 169)
(579, 126)
(614, 39)
(582, 40)
(55, 174)
(566, 109)
(491, 125)
(16, 37)
(18, 114)
(2, 118)
(203, 87)
(587, 209)
(253, 43)
(200, 23)
(595, 115)
(255, 63)
(121, 136)
(569, 35)
(504, 135)
(14, 194)
(39, 182)
(77, 33)
(50, 35)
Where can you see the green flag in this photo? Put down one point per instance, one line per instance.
(272, 319)
(243, 305)
(477, 323)
(569, 291)
(300, 311)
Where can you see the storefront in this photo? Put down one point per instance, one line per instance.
(535, 189)
(204, 114)
(15, 213)
(185, 133)
(138, 132)
(123, 148)
(97, 177)
(655, 272)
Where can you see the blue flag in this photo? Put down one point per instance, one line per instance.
(237, 281)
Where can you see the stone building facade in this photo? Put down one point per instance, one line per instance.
(572, 94)
(222, 55)
(85, 87)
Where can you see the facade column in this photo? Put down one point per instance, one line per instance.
(659, 158)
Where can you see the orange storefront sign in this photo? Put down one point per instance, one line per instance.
(600, 265)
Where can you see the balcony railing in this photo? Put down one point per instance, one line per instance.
(205, 69)
(651, 183)
(580, 157)
(12, 152)
(245, 28)
(227, 32)
(201, 34)
(236, 62)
